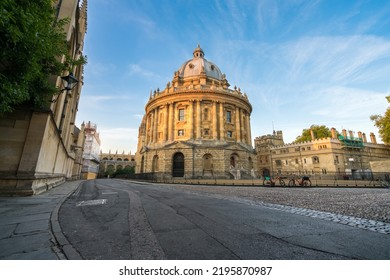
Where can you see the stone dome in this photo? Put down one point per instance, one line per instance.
(198, 65)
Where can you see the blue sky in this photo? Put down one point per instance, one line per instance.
(300, 62)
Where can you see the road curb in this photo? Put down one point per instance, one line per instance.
(64, 250)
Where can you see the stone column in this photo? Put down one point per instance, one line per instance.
(171, 121)
(151, 126)
(214, 116)
(238, 127)
(248, 127)
(155, 128)
(191, 119)
(166, 122)
(221, 122)
(198, 119)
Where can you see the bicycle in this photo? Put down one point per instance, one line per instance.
(304, 182)
(385, 182)
(268, 181)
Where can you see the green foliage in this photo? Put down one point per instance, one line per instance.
(383, 124)
(110, 171)
(31, 43)
(127, 170)
(320, 131)
(120, 171)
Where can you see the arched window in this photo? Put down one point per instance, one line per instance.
(178, 165)
(206, 114)
(207, 162)
(250, 162)
(155, 164)
(234, 160)
(316, 160)
(142, 164)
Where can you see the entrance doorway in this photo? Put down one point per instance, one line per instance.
(178, 165)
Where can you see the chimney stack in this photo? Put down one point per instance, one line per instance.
(351, 134)
(373, 138)
(364, 138)
(312, 134)
(334, 134)
(360, 134)
(344, 132)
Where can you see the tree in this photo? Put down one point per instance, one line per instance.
(320, 131)
(383, 123)
(31, 42)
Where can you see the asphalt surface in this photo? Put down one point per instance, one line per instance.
(112, 219)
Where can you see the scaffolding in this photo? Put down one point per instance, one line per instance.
(351, 142)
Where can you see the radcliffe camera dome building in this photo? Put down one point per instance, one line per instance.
(197, 127)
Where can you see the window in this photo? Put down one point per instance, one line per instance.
(229, 134)
(337, 160)
(180, 132)
(296, 161)
(228, 116)
(278, 162)
(181, 114)
(206, 114)
(316, 160)
(161, 119)
(206, 131)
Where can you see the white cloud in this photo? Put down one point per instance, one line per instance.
(137, 70)
(341, 59)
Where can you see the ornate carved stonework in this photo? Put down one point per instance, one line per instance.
(197, 126)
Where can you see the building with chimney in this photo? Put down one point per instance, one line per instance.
(346, 155)
(197, 127)
(39, 148)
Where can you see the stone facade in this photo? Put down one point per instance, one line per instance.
(78, 147)
(112, 162)
(37, 148)
(344, 155)
(197, 127)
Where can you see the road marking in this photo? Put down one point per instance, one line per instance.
(91, 202)
(109, 193)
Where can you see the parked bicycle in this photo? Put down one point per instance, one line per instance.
(303, 182)
(385, 182)
(268, 181)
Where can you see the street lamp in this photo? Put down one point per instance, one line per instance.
(69, 83)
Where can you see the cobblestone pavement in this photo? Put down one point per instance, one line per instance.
(359, 207)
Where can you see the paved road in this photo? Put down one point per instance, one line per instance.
(111, 219)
